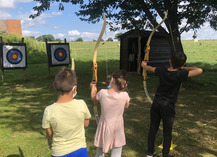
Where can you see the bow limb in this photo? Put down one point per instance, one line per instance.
(73, 64)
(94, 66)
(146, 57)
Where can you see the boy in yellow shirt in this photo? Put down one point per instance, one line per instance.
(65, 119)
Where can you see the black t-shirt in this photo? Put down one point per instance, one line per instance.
(169, 83)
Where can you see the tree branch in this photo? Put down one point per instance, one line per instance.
(152, 19)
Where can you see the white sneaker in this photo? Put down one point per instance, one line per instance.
(151, 155)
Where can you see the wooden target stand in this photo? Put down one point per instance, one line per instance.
(58, 54)
(13, 56)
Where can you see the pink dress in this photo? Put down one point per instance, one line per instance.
(110, 130)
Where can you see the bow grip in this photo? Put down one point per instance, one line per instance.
(94, 69)
(147, 51)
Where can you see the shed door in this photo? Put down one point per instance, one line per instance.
(132, 54)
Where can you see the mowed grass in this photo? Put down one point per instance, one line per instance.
(22, 103)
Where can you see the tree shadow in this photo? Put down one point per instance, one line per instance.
(23, 103)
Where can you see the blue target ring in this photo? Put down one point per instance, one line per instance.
(60, 54)
(14, 56)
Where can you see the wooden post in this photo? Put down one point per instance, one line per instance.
(1, 41)
(24, 70)
(24, 74)
(65, 40)
(47, 59)
(3, 75)
(139, 56)
(22, 40)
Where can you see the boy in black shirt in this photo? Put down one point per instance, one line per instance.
(163, 106)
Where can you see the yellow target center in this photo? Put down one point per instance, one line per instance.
(14, 56)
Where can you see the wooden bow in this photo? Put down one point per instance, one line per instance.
(94, 67)
(146, 57)
(73, 64)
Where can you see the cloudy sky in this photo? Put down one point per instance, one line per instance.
(66, 24)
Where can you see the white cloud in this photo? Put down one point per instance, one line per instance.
(11, 3)
(30, 33)
(56, 27)
(7, 4)
(60, 35)
(205, 32)
(89, 35)
(4, 15)
(27, 22)
(57, 13)
(73, 33)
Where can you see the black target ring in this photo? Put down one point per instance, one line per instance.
(14, 56)
(60, 54)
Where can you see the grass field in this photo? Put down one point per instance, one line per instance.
(22, 103)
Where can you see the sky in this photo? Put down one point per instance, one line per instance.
(65, 24)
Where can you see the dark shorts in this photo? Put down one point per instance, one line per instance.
(82, 152)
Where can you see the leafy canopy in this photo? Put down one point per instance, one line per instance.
(130, 14)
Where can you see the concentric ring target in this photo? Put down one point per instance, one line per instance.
(60, 54)
(14, 56)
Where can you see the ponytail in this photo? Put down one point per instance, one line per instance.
(120, 78)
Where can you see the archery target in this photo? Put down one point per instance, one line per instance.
(14, 56)
(60, 54)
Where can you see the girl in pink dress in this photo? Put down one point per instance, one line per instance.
(110, 130)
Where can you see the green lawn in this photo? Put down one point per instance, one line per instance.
(22, 103)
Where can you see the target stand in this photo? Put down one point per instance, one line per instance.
(58, 54)
(13, 56)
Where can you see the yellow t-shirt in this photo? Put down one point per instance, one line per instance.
(67, 123)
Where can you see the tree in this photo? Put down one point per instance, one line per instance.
(117, 36)
(49, 37)
(183, 15)
(79, 40)
(109, 39)
(58, 39)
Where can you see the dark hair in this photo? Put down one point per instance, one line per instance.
(178, 60)
(120, 78)
(65, 80)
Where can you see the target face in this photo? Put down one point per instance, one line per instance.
(60, 54)
(14, 56)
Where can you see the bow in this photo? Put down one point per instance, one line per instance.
(94, 67)
(146, 57)
(73, 65)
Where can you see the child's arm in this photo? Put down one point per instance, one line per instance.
(86, 123)
(147, 67)
(49, 133)
(193, 71)
(93, 91)
(127, 105)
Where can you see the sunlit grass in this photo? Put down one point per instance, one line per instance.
(22, 103)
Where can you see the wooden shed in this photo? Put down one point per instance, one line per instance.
(133, 44)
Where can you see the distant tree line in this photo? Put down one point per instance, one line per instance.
(50, 37)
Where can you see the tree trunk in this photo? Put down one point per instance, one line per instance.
(172, 26)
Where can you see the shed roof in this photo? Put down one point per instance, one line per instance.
(141, 33)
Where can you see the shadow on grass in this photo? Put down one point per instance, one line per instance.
(17, 155)
(23, 103)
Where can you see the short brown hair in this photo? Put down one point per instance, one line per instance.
(65, 80)
(178, 60)
(120, 78)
